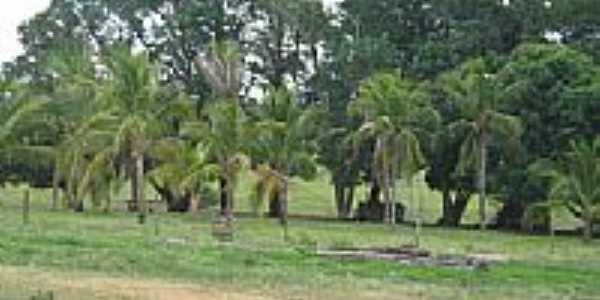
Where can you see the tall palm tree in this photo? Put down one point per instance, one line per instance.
(222, 67)
(476, 94)
(130, 110)
(283, 145)
(72, 104)
(225, 138)
(395, 112)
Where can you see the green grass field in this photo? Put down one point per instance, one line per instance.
(108, 256)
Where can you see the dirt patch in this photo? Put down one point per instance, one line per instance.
(414, 256)
(86, 286)
(104, 288)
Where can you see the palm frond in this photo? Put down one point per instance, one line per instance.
(222, 68)
(505, 125)
(98, 168)
(15, 112)
(469, 153)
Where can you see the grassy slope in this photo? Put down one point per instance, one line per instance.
(181, 249)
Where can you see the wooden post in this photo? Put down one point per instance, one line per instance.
(26, 200)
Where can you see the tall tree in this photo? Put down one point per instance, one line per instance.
(347, 61)
(226, 139)
(223, 68)
(130, 110)
(284, 145)
(474, 88)
(395, 112)
(554, 90)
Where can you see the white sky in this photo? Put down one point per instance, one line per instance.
(13, 13)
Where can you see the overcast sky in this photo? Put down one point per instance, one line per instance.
(13, 13)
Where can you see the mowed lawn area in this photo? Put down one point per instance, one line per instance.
(108, 256)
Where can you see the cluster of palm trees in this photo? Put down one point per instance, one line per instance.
(398, 116)
(116, 122)
(113, 121)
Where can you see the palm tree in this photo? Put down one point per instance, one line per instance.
(575, 182)
(130, 109)
(222, 67)
(394, 111)
(476, 95)
(225, 137)
(185, 170)
(283, 146)
(72, 104)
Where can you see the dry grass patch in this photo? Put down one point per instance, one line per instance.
(27, 282)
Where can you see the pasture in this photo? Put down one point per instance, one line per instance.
(96, 256)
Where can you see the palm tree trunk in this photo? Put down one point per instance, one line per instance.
(552, 233)
(385, 178)
(387, 199)
(374, 193)
(339, 196)
(461, 200)
(139, 193)
(223, 195)
(349, 201)
(446, 207)
(283, 210)
(482, 182)
(417, 212)
(393, 196)
(194, 203)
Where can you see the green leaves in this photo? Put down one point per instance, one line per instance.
(574, 179)
(183, 167)
(222, 68)
(476, 93)
(395, 111)
(284, 133)
(15, 111)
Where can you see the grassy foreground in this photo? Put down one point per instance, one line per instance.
(171, 251)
